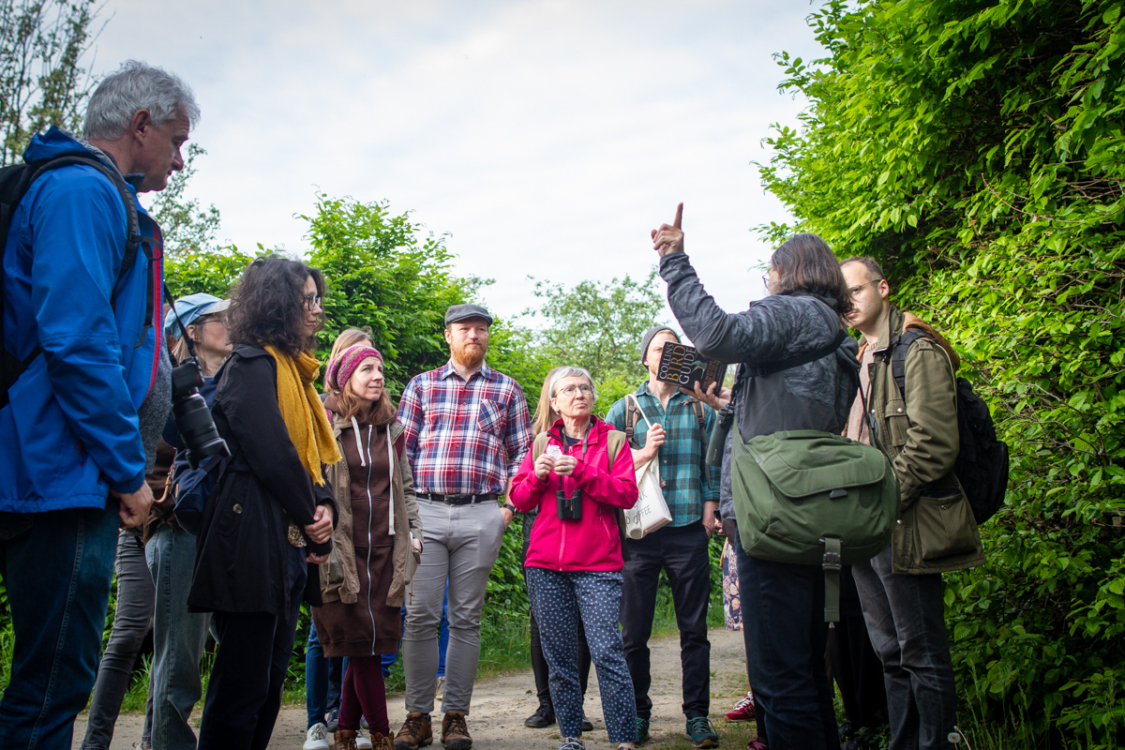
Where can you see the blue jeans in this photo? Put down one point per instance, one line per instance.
(786, 638)
(177, 641)
(57, 568)
(323, 680)
(905, 616)
(559, 600)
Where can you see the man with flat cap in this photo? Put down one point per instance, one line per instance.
(467, 430)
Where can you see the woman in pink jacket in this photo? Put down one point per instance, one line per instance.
(579, 473)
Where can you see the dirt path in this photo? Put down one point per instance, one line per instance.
(501, 704)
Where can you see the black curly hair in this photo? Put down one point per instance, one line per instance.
(267, 307)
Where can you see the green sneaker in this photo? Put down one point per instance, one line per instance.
(641, 736)
(701, 732)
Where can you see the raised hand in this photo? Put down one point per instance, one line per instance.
(669, 239)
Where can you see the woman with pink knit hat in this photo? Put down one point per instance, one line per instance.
(376, 543)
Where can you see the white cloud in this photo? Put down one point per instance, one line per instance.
(546, 137)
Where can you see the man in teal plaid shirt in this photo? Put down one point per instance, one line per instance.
(678, 434)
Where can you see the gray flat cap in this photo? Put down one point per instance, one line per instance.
(457, 313)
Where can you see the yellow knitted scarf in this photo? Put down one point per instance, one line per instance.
(303, 412)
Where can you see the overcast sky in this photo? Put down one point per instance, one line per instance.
(546, 137)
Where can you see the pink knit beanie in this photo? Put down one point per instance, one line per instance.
(340, 370)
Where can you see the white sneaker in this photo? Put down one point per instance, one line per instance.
(361, 742)
(318, 737)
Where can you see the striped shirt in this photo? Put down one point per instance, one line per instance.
(683, 454)
(464, 438)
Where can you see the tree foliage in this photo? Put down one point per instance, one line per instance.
(598, 326)
(976, 149)
(41, 81)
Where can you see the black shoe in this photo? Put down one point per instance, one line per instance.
(543, 717)
(587, 725)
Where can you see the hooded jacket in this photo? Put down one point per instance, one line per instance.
(592, 542)
(917, 428)
(339, 580)
(70, 432)
(813, 396)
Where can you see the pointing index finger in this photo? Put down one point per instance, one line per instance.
(679, 216)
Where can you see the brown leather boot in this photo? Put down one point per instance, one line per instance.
(345, 739)
(415, 733)
(455, 732)
(379, 742)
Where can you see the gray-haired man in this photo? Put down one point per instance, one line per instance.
(85, 392)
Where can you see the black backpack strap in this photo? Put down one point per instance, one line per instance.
(632, 415)
(898, 349)
(12, 368)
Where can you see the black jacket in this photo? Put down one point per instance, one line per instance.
(813, 396)
(242, 549)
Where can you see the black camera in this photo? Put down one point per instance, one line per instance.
(193, 418)
(719, 435)
(570, 506)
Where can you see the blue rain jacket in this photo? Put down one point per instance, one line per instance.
(70, 432)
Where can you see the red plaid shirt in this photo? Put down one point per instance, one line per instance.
(459, 435)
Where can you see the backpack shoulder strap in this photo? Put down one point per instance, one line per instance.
(633, 414)
(614, 441)
(538, 446)
(701, 419)
(899, 349)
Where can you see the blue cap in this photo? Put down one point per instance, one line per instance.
(189, 309)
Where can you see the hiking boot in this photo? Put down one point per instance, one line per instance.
(415, 733)
(361, 742)
(701, 732)
(587, 725)
(345, 739)
(455, 732)
(379, 742)
(641, 735)
(743, 710)
(543, 717)
(317, 738)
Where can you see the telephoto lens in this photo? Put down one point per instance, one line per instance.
(193, 418)
(719, 434)
(570, 506)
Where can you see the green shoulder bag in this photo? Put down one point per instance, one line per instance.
(811, 497)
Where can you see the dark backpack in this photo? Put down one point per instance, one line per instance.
(190, 487)
(982, 463)
(14, 183)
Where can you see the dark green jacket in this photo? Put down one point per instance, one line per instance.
(935, 531)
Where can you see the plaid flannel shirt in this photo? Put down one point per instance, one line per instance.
(683, 454)
(464, 438)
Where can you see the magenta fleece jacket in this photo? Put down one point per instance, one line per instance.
(592, 542)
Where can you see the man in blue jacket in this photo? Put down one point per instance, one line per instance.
(72, 462)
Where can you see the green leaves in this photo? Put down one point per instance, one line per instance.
(976, 151)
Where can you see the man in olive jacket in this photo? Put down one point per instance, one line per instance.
(901, 589)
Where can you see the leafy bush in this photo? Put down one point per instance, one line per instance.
(976, 149)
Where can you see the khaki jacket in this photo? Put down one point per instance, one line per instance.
(935, 531)
(339, 579)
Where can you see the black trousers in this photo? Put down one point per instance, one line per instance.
(248, 677)
(855, 665)
(682, 553)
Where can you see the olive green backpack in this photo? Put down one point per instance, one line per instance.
(811, 497)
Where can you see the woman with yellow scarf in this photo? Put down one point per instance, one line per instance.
(271, 514)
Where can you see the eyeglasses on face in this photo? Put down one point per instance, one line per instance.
(312, 302)
(570, 389)
(855, 291)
